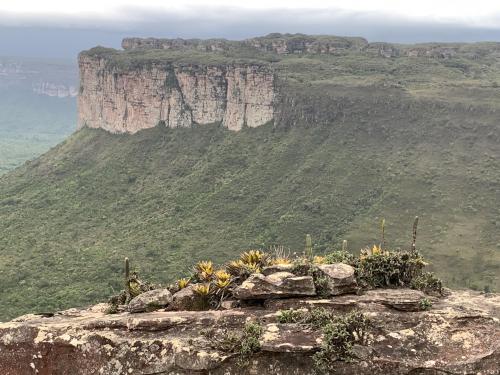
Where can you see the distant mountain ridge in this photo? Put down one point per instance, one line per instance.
(56, 78)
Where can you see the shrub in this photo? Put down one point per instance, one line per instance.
(389, 269)
(340, 334)
(428, 283)
(425, 304)
(249, 343)
(291, 316)
(182, 283)
(244, 342)
(340, 256)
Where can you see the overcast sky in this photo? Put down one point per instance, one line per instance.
(61, 28)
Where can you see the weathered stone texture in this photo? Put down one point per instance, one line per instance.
(149, 301)
(122, 100)
(460, 334)
(276, 285)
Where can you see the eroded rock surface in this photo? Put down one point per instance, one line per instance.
(151, 300)
(275, 285)
(126, 100)
(339, 278)
(460, 334)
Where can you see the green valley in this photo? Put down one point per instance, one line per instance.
(357, 138)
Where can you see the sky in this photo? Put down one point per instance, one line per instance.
(61, 28)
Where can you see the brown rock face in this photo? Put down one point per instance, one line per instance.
(174, 94)
(460, 334)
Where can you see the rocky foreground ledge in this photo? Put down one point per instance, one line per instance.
(459, 334)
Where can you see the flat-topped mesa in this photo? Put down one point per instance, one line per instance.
(283, 44)
(274, 43)
(247, 83)
(172, 93)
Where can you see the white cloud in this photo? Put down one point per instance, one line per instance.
(478, 13)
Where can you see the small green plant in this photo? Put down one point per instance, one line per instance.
(380, 269)
(249, 343)
(340, 334)
(425, 304)
(341, 256)
(291, 316)
(182, 283)
(428, 283)
(204, 270)
(256, 257)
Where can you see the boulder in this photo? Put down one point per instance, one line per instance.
(186, 299)
(276, 285)
(150, 301)
(338, 278)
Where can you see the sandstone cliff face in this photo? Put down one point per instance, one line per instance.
(178, 95)
(460, 334)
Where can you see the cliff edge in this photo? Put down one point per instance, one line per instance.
(460, 334)
(173, 93)
(178, 83)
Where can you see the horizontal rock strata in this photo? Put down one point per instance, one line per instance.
(173, 94)
(460, 334)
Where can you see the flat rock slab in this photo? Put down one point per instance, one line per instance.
(275, 285)
(460, 334)
(397, 299)
(266, 271)
(150, 301)
(289, 338)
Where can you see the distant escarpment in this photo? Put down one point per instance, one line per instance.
(173, 93)
(249, 83)
(284, 44)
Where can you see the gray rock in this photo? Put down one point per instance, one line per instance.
(266, 271)
(339, 278)
(186, 299)
(150, 301)
(276, 285)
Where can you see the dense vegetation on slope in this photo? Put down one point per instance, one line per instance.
(357, 138)
(30, 124)
(168, 197)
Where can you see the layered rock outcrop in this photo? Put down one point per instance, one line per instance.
(181, 82)
(284, 44)
(460, 334)
(174, 94)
